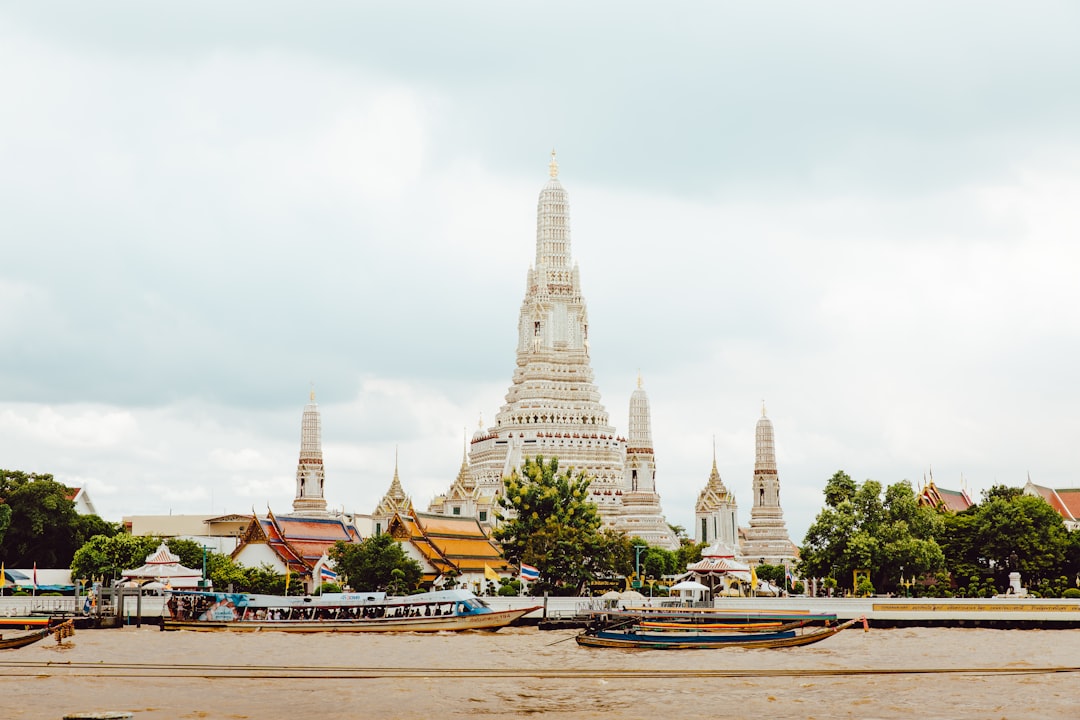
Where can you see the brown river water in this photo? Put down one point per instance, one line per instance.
(519, 672)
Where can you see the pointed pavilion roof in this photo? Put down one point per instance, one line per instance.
(395, 500)
(942, 499)
(164, 564)
(715, 493)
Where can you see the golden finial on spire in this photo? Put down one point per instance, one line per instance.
(553, 168)
(639, 379)
(763, 407)
(312, 395)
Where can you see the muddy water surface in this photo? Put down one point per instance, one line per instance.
(520, 672)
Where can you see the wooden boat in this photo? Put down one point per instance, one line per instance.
(10, 641)
(631, 639)
(29, 637)
(656, 626)
(334, 612)
(707, 618)
(719, 615)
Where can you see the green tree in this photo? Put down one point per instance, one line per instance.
(509, 587)
(689, 552)
(1008, 531)
(861, 527)
(654, 562)
(5, 522)
(550, 523)
(370, 564)
(264, 580)
(87, 526)
(773, 573)
(38, 523)
(105, 558)
(42, 527)
(222, 571)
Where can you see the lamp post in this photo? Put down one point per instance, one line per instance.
(637, 564)
(204, 549)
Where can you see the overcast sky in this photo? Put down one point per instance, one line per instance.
(865, 216)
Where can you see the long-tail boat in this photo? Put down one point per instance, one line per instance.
(750, 627)
(718, 615)
(22, 639)
(334, 612)
(633, 638)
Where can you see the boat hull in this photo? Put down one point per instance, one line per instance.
(654, 626)
(481, 621)
(714, 616)
(632, 641)
(12, 641)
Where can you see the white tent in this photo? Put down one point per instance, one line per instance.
(690, 590)
(689, 585)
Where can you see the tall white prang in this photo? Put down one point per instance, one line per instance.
(553, 406)
(310, 475)
(767, 537)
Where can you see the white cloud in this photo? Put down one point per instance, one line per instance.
(874, 235)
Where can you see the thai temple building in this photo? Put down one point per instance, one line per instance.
(941, 499)
(553, 406)
(766, 540)
(716, 513)
(1065, 500)
(449, 546)
(395, 501)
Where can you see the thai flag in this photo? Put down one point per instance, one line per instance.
(327, 574)
(789, 577)
(529, 573)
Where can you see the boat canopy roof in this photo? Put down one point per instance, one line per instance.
(349, 599)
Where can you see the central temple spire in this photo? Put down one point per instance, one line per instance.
(553, 406)
(553, 231)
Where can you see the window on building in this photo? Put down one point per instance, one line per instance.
(457, 510)
(483, 516)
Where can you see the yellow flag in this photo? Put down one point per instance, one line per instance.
(753, 578)
(3, 575)
(287, 575)
(490, 574)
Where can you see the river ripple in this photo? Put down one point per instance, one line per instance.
(519, 672)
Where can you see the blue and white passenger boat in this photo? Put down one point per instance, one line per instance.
(334, 612)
